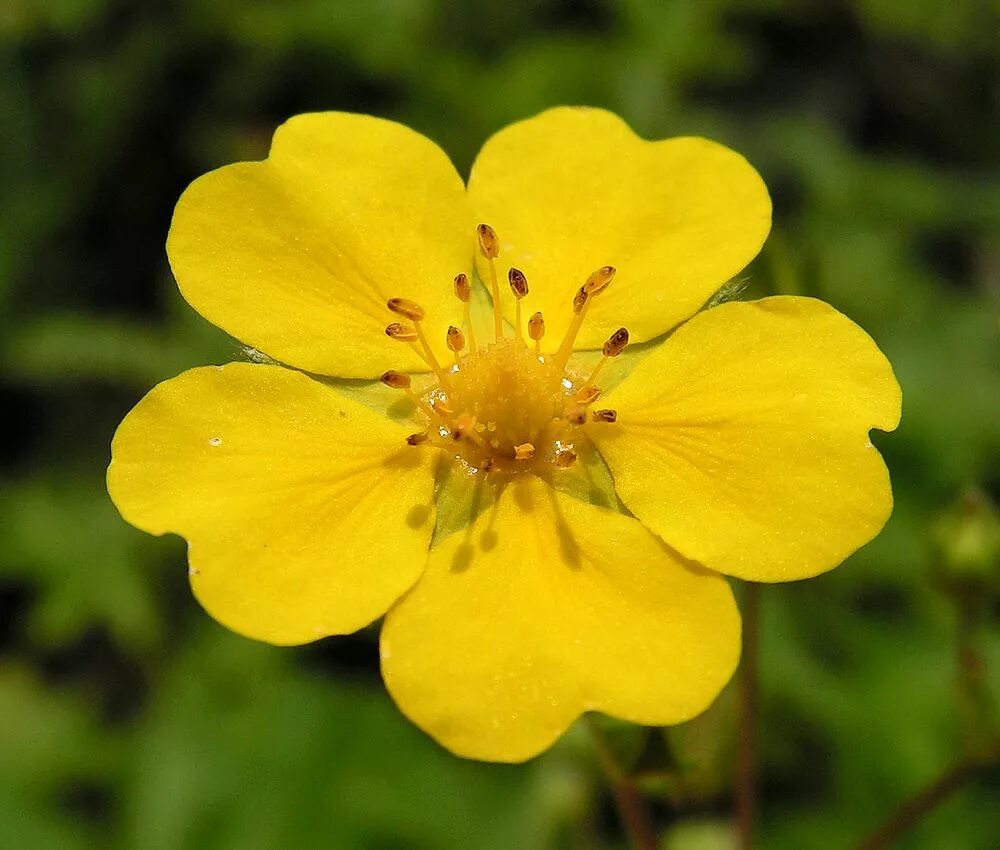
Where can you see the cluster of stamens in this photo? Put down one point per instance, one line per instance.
(506, 406)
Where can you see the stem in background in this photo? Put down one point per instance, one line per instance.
(746, 762)
(922, 803)
(631, 808)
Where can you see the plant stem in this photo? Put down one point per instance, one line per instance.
(631, 809)
(746, 761)
(923, 802)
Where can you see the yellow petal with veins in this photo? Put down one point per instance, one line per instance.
(574, 189)
(743, 439)
(547, 607)
(298, 254)
(305, 513)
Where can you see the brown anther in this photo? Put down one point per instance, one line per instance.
(396, 380)
(525, 451)
(604, 415)
(417, 439)
(463, 289)
(576, 415)
(405, 307)
(599, 280)
(404, 333)
(518, 283)
(486, 465)
(616, 343)
(456, 339)
(588, 394)
(536, 326)
(565, 459)
(579, 300)
(489, 244)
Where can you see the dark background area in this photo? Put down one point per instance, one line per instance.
(129, 719)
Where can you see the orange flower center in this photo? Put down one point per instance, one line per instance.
(506, 406)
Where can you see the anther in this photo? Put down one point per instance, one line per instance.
(616, 343)
(404, 333)
(489, 244)
(604, 415)
(456, 339)
(612, 348)
(599, 280)
(518, 282)
(596, 283)
(536, 330)
(519, 286)
(396, 380)
(588, 394)
(565, 459)
(463, 292)
(525, 451)
(489, 247)
(417, 439)
(405, 307)
(576, 415)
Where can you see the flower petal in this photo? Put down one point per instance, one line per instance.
(305, 513)
(548, 607)
(743, 439)
(297, 255)
(575, 189)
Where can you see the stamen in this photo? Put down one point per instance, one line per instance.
(407, 308)
(599, 280)
(525, 451)
(536, 330)
(463, 292)
(404, 333)
(604, 415)
(456, 342)
(417, 439)
(519, 286)
(415, 333)
(399, 381)
(565, 459)
(595, 284)
(396, 380)
(489, 246)
(612, 348)
(588, 395)
(616, 343)
(576, 415)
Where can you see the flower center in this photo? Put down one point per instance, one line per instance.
(504, 406)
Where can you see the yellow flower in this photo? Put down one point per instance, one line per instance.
(544, 534)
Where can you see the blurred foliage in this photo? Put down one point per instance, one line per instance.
(127, 719)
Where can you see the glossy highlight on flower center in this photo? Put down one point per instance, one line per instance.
(504, 406)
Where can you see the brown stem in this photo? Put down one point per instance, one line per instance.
(746, 760)
(920, 804)
(631, 809)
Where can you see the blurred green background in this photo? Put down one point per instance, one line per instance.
(128, 719)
